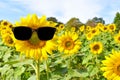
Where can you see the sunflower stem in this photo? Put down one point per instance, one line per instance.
(37, 70)
(47, 69)
(96, 59)
(69, 63)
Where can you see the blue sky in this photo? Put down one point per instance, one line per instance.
(63, 10)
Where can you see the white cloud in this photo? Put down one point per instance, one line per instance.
(82, 9)
(63, 10)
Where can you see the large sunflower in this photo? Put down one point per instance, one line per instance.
(111, 66)
(69, 43)
(117, 38)
(34, 47)
(96, 47)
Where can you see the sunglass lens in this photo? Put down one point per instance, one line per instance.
(46, 33)
(22, 33)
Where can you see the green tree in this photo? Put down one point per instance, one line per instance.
(98, 20)
(93, 22)
(74, 22)
(52, 19)
(117, 20)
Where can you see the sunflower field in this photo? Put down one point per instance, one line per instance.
(37, 49)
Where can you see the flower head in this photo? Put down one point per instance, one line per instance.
(111, 27)
(69, 43)
(82, 28)
(34, 47)
(94, 31)
(117, 38)
(89, 36)
(6, 33)
(8, 40)
(111, 66)
(96, 47)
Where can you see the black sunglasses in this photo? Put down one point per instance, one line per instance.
(25, 33)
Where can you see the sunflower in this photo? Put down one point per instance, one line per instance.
(100, 26)
(82, 28)
(105, 29)
(94, 31)
(88, 28)
(34, 47)
(8, 40)
(73, 29)
(60, 27)
(96, 47)
(111, 66)
(69, 43)
(6, 33)
(4, 24)
(89, 36)
(111, 27)
(117, 38)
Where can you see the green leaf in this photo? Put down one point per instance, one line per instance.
(94, 71)
(84, 74)
(32, 77)
(19, 70)
(4, 69)
(86, 59)
(23, 62)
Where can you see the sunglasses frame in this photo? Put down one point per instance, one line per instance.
(32, 30)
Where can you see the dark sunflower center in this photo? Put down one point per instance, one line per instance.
(68, 43)
(105, 28)
(119, 38)
(118, 68)
(42, 44)
(10, 26)
(5, 23)
(111, 27)
(61, 26)
(10, 40)
(96, 47)
(93, 31)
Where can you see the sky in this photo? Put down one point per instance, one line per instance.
(62, 10)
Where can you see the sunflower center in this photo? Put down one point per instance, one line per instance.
(105, 28)
(69, 45)
(119, 38)
(111, 27)
(42, 44)
(93, 31)
(10, 26)
(5, 23)
(118, 68)
(96, 47)
(10, 40)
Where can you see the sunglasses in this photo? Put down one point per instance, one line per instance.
(25, 33)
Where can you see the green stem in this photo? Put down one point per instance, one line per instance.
(69, 62)
(37, 70)
(96, 58)
(47, 69)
